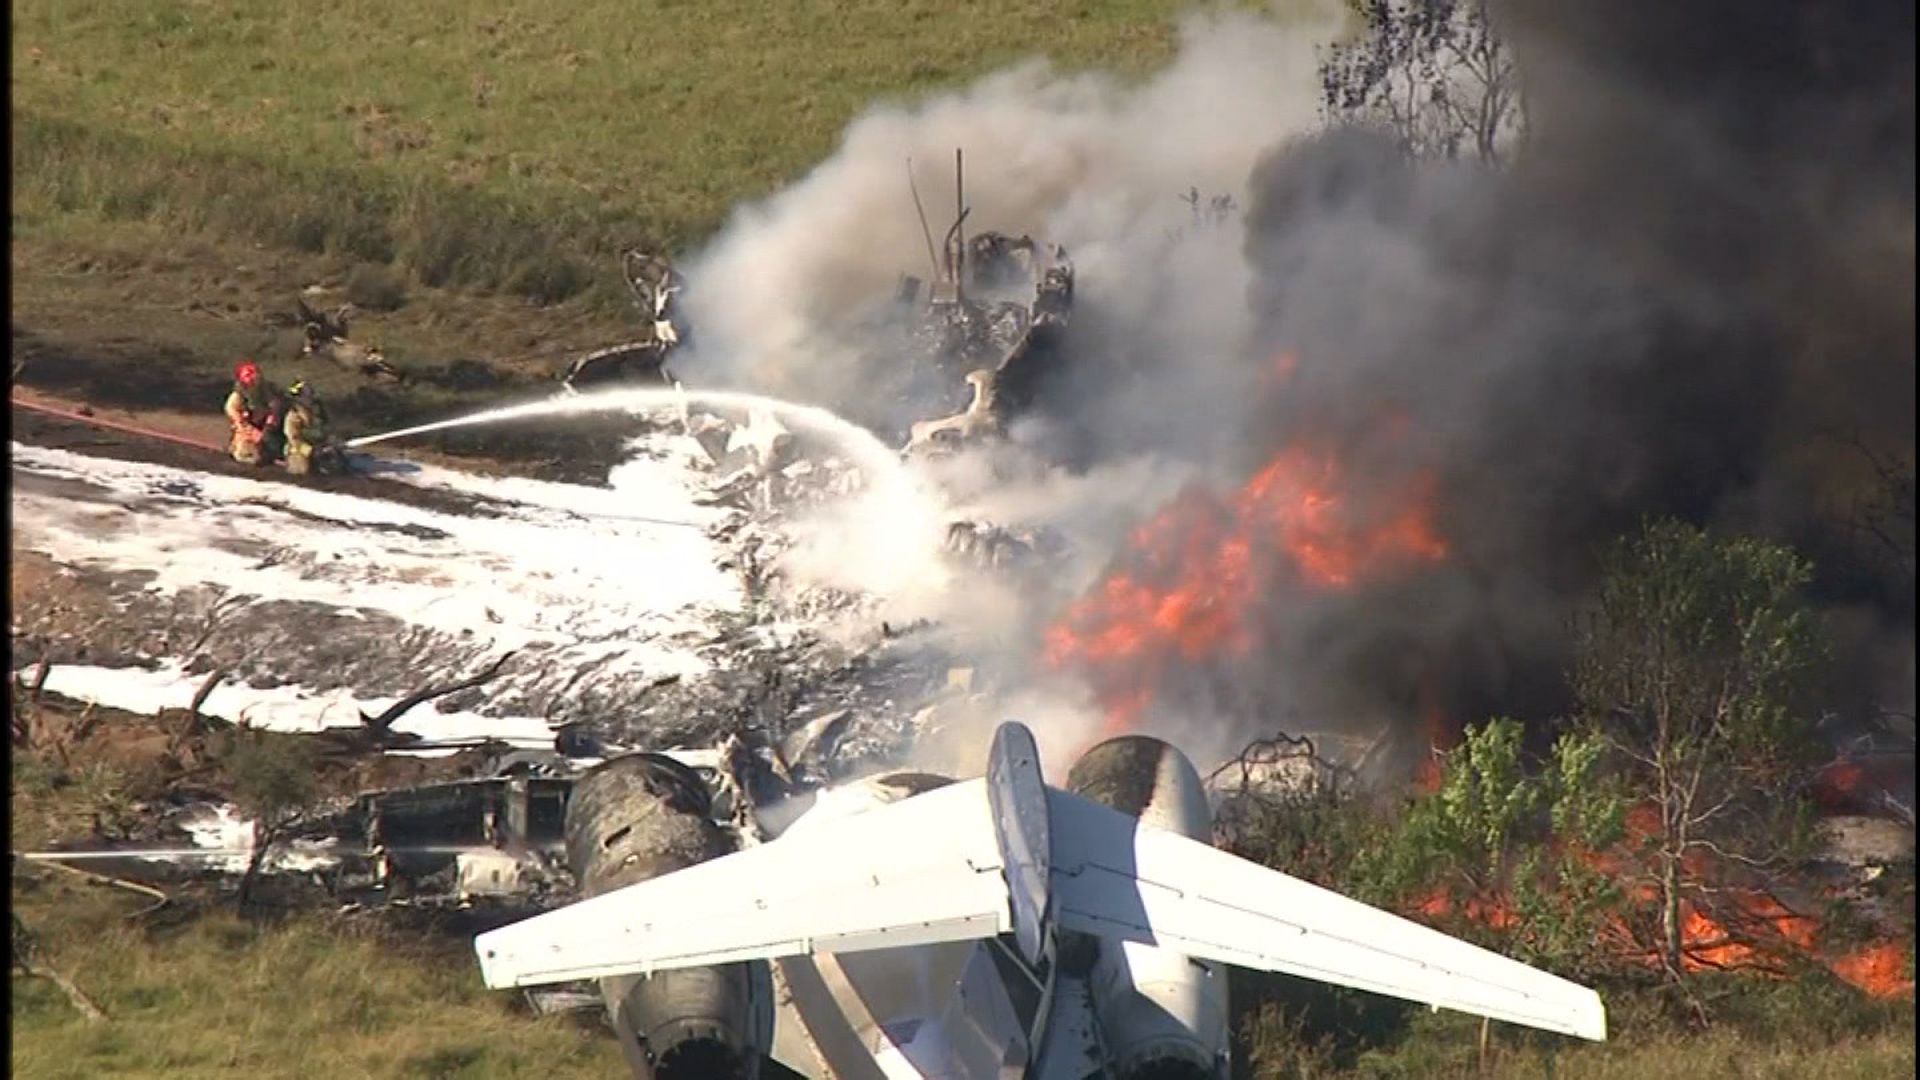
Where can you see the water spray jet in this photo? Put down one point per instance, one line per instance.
(907, 519)
(868, 452)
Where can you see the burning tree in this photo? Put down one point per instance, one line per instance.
(1687, 668)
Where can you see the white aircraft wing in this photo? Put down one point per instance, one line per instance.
(1114, 877)
(923, 870)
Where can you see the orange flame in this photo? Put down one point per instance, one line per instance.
(1443, 734)
(1839, 786)
(1751, 929)
(1875, 969)
(1486, 910)
(1193, 572)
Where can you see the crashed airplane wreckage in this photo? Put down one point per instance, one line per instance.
(992, 321)
(737, 916)
(913, 925)
(978, 337)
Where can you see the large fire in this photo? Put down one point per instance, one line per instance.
(1749, 929)
(1192, 576)
(1187, 592)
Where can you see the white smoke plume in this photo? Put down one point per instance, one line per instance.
(1086, 160)
(781, 303)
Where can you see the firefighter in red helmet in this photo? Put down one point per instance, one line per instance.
(253, 408)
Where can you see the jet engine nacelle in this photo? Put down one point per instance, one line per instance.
(1161, 1015)
(638, 817)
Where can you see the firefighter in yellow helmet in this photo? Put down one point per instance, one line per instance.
(305, 427)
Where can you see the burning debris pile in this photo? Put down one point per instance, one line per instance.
(1004, 346)
(988, 325)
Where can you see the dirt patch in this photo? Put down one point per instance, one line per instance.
(137, 320)
(52, 604)
(574, 450)
(111, 299)
(116, 371)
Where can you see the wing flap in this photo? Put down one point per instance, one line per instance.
(916, 872)
(1116, 878)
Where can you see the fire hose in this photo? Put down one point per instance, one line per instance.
(116, 425)
(183, 440)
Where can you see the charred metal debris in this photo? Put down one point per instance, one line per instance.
(326, 335)
(970, 343)
(652, 283)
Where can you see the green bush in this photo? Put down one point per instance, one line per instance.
(1501, 835)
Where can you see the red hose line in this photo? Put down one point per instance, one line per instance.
(116, 425)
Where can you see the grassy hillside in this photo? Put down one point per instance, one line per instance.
(183, 169)
(217, 996)
(512, 145)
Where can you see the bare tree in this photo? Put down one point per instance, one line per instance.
(1688, 667)
(1884, 516)
(1437, 73)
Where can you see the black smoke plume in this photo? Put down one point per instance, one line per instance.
(1691, 294)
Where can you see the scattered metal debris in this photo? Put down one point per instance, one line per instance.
(995, 330)
(653, 283)
(988, 324)
(996, 547)
(325, 335)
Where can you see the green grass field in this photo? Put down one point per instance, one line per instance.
(183, 169)
(509, 146)
(223, 997)
(218, 996)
